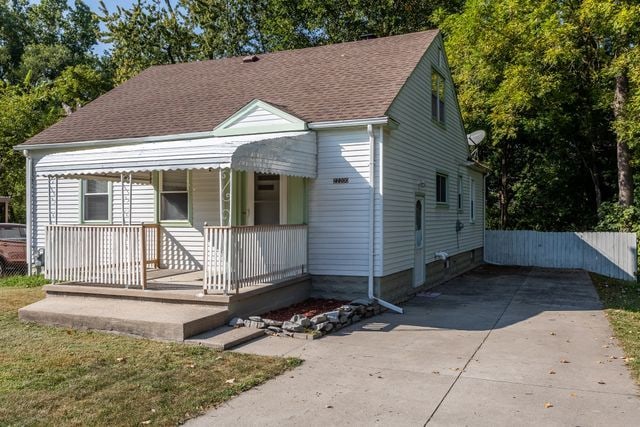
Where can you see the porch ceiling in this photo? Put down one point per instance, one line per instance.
(285, 153)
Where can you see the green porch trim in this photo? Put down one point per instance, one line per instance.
(296, 200)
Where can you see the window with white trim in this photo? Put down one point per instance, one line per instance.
(95, 200)
(441, 188)
(174, 196)
(472, 199)
(437, 96)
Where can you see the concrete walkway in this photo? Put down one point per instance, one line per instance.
(498, 347)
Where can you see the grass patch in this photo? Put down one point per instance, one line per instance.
(54, 376)
(621, 300)
(22, 281)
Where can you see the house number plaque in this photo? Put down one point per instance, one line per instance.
(341, 180)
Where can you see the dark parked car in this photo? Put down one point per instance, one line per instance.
(13, 248)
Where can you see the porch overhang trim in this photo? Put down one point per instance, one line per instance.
(284, 153)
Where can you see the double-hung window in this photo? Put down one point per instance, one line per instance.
(174, 196)
(437, 96)
(441, 188)
(95, 200)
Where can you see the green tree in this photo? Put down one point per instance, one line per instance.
(151, 32)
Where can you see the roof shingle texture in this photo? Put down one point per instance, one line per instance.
(343, 81)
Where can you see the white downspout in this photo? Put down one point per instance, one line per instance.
(372, 223)
(29, 172)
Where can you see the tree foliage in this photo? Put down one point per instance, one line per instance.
(555, 83)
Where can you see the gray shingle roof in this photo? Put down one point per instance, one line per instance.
(335, 82)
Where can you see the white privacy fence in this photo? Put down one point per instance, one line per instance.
(114, 254)
(607, 253)
(237, 257)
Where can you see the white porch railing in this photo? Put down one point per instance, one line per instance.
(113, 254)
(236, 257)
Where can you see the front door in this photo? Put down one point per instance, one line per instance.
(418, 267)
(266, 199)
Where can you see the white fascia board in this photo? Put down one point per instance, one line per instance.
(118, 141)
(353, 122)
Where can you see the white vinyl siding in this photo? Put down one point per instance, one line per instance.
(339, 213)
(182, 246)
(258, 117)
(472, 200)
(414, 152)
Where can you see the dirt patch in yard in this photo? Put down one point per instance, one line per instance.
(309, 308)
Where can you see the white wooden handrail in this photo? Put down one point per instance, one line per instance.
(236, 257)
(101, 254)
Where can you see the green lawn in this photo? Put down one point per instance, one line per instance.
(621, 300)
(55, 376)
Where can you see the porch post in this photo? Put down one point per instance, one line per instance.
(220, 197)
(49, 198)
(56, 217)
(130, 196)
(231, 200)
(122, 197)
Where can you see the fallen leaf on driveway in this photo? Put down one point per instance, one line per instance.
(548, 405)
(552, 372)
(552, 333)
(601, 382)
(564, 361)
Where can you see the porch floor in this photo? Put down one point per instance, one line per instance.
(168, 277)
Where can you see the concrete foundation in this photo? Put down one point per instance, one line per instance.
(396, 287)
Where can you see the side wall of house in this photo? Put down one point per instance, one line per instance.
(414, 152)
(339, 206)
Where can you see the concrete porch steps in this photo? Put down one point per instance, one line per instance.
(226, 337)
(150, 319)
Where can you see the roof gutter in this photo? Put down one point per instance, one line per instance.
(116, 141)
(352, 122)
(384, 120)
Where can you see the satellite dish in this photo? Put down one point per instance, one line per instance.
(476, 137)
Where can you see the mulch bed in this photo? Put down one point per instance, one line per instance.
(309, 308)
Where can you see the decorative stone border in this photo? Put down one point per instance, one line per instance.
(300, 326)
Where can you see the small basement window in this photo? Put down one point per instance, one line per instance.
(437, 96)
(174, 196)
(95, 200)
(441, 188)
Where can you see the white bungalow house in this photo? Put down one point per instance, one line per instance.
(346, 166)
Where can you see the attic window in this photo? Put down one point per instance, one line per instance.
(251, 58)
(437, 96)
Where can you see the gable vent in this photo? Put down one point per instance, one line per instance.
(251, 58)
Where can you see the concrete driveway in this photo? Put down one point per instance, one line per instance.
(499, 346)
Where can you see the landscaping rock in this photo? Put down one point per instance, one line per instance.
(301, 320)
(321, 326)
(320, 318)
(274, 329)
(270, 322)
(333, 316)
(292, 327)
(328, 326)
(247, 323)
(255, 318)
(355, 318)
(236, 322)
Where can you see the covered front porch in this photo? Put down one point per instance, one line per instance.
(210, 216)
